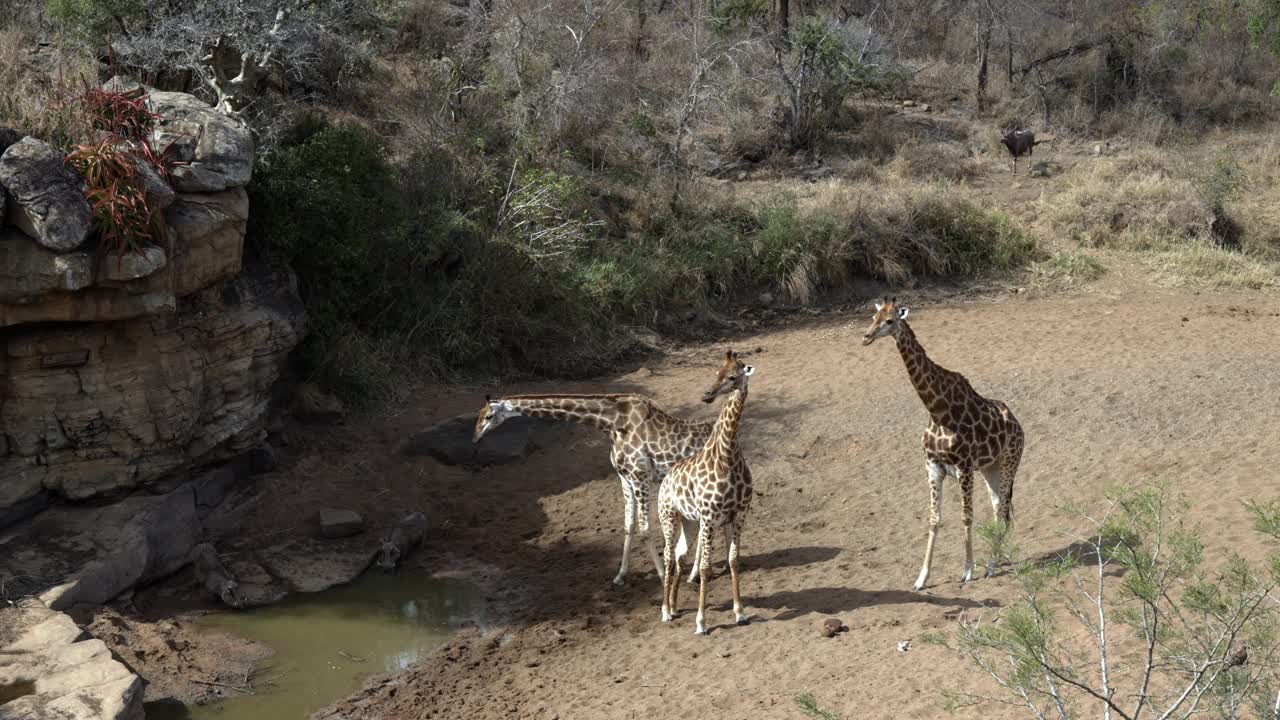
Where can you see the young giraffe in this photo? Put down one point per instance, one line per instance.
(708, 491)
(647, 441)
(966, 433)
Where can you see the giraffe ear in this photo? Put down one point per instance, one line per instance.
(488, 398)
(879, 307)
(902, 312)
(749, 370)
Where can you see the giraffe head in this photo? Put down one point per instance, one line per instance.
(493, 414)
(886, 321)
(733, 375)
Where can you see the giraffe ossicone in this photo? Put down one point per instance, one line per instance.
(967, 433)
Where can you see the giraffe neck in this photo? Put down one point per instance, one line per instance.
(724, 436)
(927, 376)
(600, 411)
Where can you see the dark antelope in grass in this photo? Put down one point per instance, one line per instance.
(1021, 142)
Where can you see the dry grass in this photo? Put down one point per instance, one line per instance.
(36, 84)
(1069, 267)
(1153, 201)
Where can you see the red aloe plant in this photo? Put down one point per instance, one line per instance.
(125, 219)
(124, 216)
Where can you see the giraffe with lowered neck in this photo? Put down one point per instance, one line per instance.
(707, 491)
(647, 441)
(966, 433)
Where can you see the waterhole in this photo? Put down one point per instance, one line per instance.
(327, 643)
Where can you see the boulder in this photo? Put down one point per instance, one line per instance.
(48, 197)
(132, 265)
(101, 408)
(340, 523)
(218, 148)
(313, 405)
(208, 238)
(52, 671)
(450, 441)
(105, 551)
(159, 194)
(28, 271)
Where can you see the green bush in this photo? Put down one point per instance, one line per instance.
(95, 20)
(435, 263)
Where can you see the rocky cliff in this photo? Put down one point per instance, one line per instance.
(118, 371)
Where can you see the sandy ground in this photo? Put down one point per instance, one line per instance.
(1111, 385)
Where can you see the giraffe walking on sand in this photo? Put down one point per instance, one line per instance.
(647, 441)
(708, 491)
(966, 433)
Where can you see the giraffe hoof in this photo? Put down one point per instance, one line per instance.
(744, 620)
(991, 571)
(700, 631)
(619, 581)
(921, 579)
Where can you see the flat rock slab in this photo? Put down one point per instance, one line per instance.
(450, 441)
(92, 554)
(315, 565)
(57, 675)
(340, 523)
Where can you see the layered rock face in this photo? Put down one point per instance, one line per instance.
(118, 371)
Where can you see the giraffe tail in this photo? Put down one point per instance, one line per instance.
(682, 545)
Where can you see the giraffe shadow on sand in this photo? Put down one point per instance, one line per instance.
(833, 600)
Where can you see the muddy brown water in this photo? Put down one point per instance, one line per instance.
(326, 644)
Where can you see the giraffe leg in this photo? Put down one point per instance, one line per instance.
(690, 530)
(644, 511)
(629, 523)
(704, 574)
(733, 531)
(937, 474)
(994, 477)
(671, 562)
(966, 516)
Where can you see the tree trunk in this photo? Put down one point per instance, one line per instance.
(784, 17)
(984, 51)
(640, 49)
(1008, 39)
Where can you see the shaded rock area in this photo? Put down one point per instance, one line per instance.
(58, 673)
(120, 371)
(103, 408)
(450, 442)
